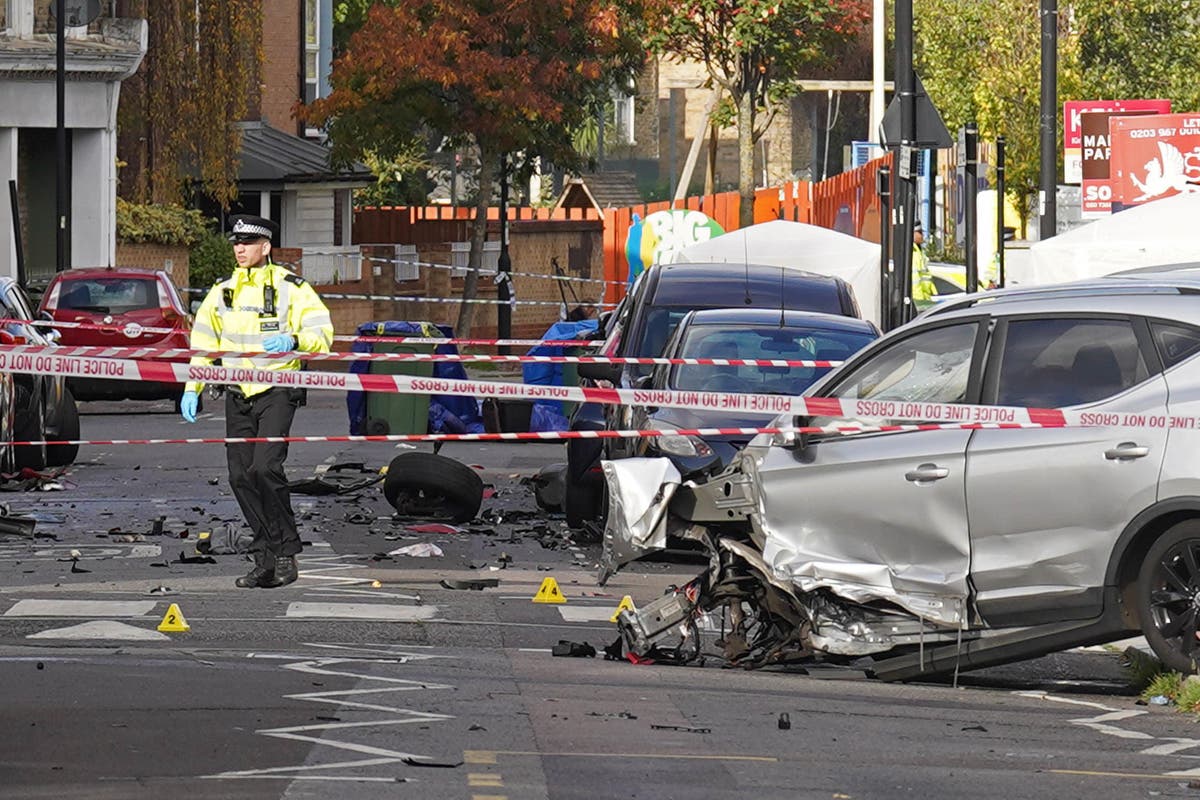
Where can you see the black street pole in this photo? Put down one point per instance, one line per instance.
(1000, 189)
(884, 178)
(60, 165)
(504, 263)
(905, 186)
(970, 230)
(1048, 126)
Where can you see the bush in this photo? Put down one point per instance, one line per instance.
(210, 261)
(160, 224)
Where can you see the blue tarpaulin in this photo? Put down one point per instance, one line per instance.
(447, 413)
(547, 415)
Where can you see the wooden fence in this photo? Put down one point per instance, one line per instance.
(848, 202)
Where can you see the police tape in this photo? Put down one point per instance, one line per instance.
(434, 265)
(178, 353)
(732, 403)
(553, 436)
(133, 330)
(487, 301)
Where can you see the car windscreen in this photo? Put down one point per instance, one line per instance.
(108, 295)
(789, 343)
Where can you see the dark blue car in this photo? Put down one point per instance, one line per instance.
(644, 323)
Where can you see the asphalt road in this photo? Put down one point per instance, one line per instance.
(368, 678)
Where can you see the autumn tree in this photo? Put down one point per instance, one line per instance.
(501, 77)
(1138, 48)
(178, 114)
(755, 52)
(981, 62)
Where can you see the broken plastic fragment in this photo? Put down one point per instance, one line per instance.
(418, 550)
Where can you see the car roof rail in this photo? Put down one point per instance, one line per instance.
(1088, 289)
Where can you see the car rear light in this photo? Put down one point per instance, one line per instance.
(9, 338)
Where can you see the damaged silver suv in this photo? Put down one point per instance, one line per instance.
(932, 551)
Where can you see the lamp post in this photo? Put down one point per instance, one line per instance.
(60, 166)
(1048, 126)
(504, 264)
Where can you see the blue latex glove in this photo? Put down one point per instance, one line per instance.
(279, 343)
(188, 405)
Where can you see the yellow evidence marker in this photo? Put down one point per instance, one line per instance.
(549, 592)
(626, 604)
(173, 621)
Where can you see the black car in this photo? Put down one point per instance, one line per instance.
(43, 407)
(736, 333)
(647, 317)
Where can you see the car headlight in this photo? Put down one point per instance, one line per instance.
(676, 445)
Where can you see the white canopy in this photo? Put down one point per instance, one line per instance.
(799, 246)
(1165, 231)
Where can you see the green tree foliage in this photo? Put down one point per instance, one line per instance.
(981, 62)
(501, 77)
(210, 261)
(178, 114)
(1139, 48)
(754, 51)
(160, 224)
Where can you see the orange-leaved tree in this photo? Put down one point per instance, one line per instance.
(502, 76)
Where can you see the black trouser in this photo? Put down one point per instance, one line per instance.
(256, 470)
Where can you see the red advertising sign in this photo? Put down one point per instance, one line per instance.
(1153, 157)
(1073, 130)
(1096, 197)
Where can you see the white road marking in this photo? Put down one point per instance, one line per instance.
(1102, 723)
(586, 613)
(81, 608)
(326, 732)
(88, 552)
(335, 590)
(372, 611)
(103, 629)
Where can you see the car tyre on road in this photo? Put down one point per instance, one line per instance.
(429, 485)
(31, 426)
(1168, 596)
(62, 455)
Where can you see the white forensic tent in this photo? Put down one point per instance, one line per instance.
(1164, 231)
(797, 245)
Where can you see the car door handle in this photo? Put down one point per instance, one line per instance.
(926, 472)
(1126, 450)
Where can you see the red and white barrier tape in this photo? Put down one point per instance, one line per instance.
(433, 265)
(836, 408)
(553, 436)
(133, 330)
(179, 353)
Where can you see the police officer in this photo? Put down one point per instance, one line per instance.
(261, 308)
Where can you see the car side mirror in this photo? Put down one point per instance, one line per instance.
(600, 372)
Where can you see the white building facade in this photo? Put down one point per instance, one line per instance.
(99, 56)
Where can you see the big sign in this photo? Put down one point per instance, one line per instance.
(1153, 158)
(1073, 127)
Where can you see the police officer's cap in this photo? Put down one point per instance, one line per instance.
(249, 228)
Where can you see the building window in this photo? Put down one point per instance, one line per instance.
(623, 116)
(312, 49)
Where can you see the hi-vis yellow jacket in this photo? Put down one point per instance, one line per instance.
(253, 304)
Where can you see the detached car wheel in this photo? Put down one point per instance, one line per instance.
(1168, 597)
(428, 485)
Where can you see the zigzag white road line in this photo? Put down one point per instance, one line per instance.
(325, 733)
(1102, 723)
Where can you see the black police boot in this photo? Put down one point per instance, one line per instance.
(286, 571)
(263, 574)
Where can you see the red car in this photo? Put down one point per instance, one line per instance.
(130, 300)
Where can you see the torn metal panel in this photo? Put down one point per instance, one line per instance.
(874, 518)
(639, 491)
